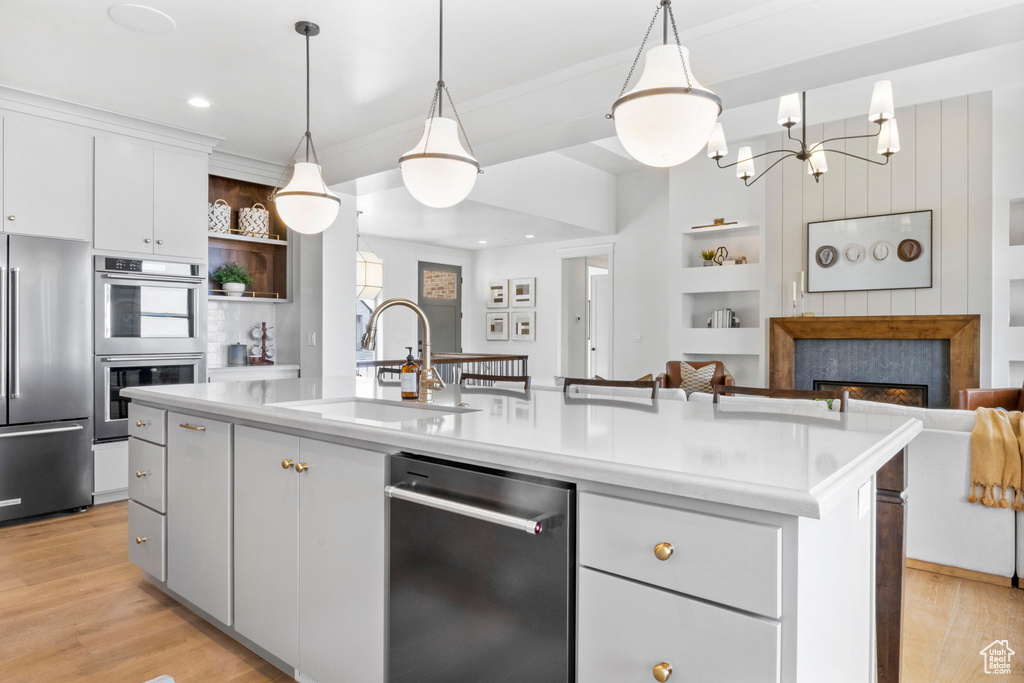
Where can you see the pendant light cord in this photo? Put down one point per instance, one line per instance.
(440, 51)
(308, 134)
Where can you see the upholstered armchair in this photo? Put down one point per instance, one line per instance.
(670, 378)
(1010, 399)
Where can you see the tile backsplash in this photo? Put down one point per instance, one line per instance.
(229, 323)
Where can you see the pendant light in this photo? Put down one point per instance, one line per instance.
(369, 270)
(668, 116)
(305, 204)
(438, 171)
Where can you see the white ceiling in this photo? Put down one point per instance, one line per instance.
(508, 65)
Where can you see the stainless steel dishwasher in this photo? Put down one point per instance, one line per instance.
(483, 573)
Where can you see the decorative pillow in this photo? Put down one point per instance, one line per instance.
(646, 378)
(693, 379)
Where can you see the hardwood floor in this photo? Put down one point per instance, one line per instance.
(73, 608)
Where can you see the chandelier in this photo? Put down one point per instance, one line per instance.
(793, 110)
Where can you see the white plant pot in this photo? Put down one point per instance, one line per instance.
(234, 288)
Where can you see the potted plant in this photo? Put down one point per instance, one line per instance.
(232, 278)
(709, 257)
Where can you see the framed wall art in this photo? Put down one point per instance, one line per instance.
(524, 326)
(893, 251)
(524, 292)
(497, 294)
(497, 326)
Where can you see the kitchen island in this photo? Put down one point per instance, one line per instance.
(261, 506)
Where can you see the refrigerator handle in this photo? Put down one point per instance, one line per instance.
(15, 341)
(3, 332)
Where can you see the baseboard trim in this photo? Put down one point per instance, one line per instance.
(959, 573)
(109, 497)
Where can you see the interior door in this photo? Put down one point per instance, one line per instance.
(440, 297)
(50, 376)
(600, 325)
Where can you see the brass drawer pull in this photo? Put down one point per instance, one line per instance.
(140, 539)
(194, 428)
(139, 474)
(662, 672)
(301, 467)
(663, 551)
(287, 463)
(142, 423)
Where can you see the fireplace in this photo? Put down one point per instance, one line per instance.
(914, 395)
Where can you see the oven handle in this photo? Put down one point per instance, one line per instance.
(155, 278)
(143, 359)
(531, 526)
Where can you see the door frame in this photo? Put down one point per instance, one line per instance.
(604, 249)
(458, 268)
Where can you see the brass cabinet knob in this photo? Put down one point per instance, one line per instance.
(663, 551)
(287, 463)
(10, 218)
(140, 539)
(139, 474)
(662, 672)
(301, 467)
(141, 423)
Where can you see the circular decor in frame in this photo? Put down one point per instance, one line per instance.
(826, 256)
(880, 250)
(909, 250)
(854, 253)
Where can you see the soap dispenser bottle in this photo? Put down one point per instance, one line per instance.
(410, 378)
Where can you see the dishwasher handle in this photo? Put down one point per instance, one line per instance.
(532, 527)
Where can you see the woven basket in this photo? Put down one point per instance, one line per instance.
(219, 216)
(254, 221)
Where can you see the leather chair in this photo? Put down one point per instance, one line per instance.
(1010, 399)
(670, 378)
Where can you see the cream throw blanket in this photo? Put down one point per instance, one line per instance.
(996, 447)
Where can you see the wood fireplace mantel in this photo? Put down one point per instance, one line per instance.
(962, 331)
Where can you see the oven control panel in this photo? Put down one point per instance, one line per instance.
(123, 264)
(112, 264)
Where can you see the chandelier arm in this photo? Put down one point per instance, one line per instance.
(760, 175)
(802, 143)
(870, 161)
(851, 137)
(787, 152)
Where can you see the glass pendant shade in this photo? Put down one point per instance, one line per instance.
(716, 145)
(882, 107)
(789, 110)
(305, 204)
(369, 275)
(889, 138)
(657, 122)
(817, 164)
(745, 167)
(444, 174)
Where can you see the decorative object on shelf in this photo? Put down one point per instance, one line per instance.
(219, 216)
(369, 270)
(523, 325)
(720, 255)
(254, 221)
(708, 256)
(497, 327)
(524, 292)
(237, 354)
(497, 294)
(438, 171)
(840, 261)
(668, 116)
(734, 261)
(263, 351)
(718, 223)
(233, 278)
(723, 318)
(793, 110)
(305, 204)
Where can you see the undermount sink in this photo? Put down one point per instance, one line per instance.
(373, 410)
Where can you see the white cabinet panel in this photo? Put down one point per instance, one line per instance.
(47, 189)
(199, 512)
(180, 192)
(267, 542)
(147, 423)
(147, 480)
(124, 195)
(146, 540)
(110, 467)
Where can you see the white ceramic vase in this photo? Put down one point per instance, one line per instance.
(234, 288)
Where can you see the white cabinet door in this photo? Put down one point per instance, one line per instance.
(342, 563)
(199, 512)
(124, 195)
(266, 541)
(47, 189)
(180, 183)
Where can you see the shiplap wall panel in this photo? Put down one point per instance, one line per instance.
(834, 207)
(792, 228)
(904, 195)
(879, 202)
(954, 205)
(857, 197)
(813, 210)
(979, 216)
(929, 196)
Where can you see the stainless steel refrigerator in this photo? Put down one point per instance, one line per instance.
(45, 376)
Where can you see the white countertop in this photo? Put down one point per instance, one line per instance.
(799, 463)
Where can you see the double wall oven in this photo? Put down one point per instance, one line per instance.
(149, 328)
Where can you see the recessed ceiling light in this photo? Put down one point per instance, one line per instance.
(529, 237)
(141, 19)
(482, 242)
(200, 102)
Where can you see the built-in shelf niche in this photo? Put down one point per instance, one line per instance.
(744, 240)
(1016, 373)
(698, 307)
(1017, 222)
(1016, 303)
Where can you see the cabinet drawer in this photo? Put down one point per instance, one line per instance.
(146, 545)
(626, 629)
(147, 467)
(724, 560)
(147, 423)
